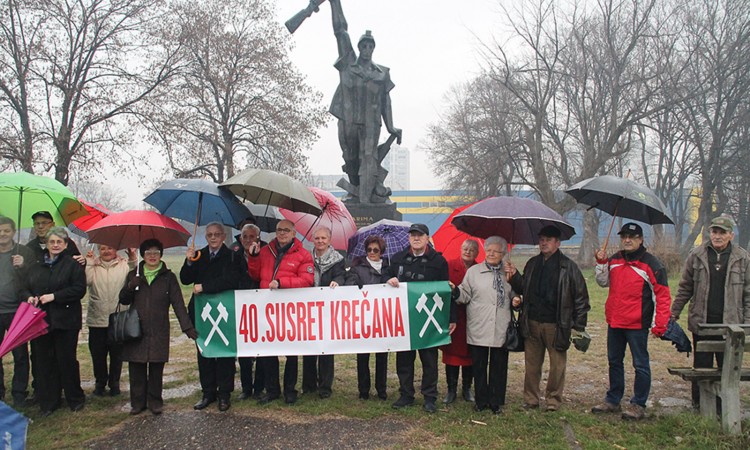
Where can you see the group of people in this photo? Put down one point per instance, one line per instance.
(550, 298)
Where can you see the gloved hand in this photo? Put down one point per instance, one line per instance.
(580, 339)
(659, 330)
(192, 333)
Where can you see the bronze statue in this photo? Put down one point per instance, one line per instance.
(362, 103)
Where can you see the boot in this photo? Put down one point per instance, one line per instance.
(468, 377)
(451, 376)
(468, 395)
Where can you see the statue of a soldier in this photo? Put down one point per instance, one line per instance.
(362, 102)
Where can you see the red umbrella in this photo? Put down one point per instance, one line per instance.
(334, 216)
(96, 213)
(448, 239)
(27, 324)
(128, 229)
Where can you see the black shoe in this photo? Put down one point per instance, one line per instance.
(468, 395)
(156, 411)
(266, 399)
(46, 412)
(324, 394)
(290, 399)
(364, 395)
(478, 408)
(244, 395)
(450, 397)
(402, 402)
(429, 406)
(497, 411)
(114, 392)
(203, 403)
(77, 407)
(31, 399)
(257, 395)
(136, 411)
(224, 404)
(382, 396)
(99, 391)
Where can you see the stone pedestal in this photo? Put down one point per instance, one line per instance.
(368, 213)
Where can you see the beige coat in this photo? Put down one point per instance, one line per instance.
(105, 280)
(486, 322)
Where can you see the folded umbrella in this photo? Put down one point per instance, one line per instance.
(677, 336)
(28, 323)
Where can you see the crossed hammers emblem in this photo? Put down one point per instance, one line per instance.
(223, 315)
(422, 306)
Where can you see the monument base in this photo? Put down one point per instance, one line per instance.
(368, 213)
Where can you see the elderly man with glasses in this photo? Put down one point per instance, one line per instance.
(282, 264)
(214, 270)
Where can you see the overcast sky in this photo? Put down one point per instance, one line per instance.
(429, 45)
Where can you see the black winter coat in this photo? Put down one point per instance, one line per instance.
(573, 299)
(221, 274)
(66, 279)
(152, 303)
(362, 273)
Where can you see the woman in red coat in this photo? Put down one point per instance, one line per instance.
(456, 354)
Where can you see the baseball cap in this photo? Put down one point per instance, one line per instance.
(723, 222)
(631, 229)
(44, 214)
(419, 228)
(550, 231)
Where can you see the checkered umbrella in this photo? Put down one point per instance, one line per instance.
(394, 232)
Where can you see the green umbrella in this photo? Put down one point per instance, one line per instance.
(22, 194)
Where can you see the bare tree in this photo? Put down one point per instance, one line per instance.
(238, 100)
(99, 193)
(474, 144)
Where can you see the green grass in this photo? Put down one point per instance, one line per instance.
(454, 426)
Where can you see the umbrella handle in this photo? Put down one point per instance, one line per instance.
(196, 255)
(609, 233)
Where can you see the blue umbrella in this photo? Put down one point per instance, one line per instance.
(198, 201)
(394, 232)
(13, 427)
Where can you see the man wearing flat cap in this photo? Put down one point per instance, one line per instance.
(716, 282)
(555, 304)
(638, 294)
(418, 262)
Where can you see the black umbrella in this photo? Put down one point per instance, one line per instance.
(620, 197)
(516, 219)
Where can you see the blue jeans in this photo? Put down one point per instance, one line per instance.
(637, 340)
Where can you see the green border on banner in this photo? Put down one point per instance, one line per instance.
(216, 323)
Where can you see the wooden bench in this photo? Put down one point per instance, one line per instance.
(723, 382)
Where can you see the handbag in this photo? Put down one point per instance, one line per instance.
(513, 338)
(124, 326)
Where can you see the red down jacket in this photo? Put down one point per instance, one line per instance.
(630, 304)
(294, 271)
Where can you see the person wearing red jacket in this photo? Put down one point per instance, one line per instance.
(638, 294)
(282, 264)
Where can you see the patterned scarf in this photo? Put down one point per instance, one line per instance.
(498, 282)
(325, 262)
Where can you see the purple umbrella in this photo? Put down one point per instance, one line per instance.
(516, 219)
(394, 232)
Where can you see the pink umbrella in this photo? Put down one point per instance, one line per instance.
(334, 216)
(448, 239)
(27, 324)
(128, 229)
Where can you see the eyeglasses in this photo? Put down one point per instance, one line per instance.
(373, 250)
(213, 235)
(283, 230)
(152, 252)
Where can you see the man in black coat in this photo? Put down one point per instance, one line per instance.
(214, 270)
(14, 263)
(419, 262)
(43, 222)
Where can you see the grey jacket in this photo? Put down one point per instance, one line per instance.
(486, 321)
(694, 286)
